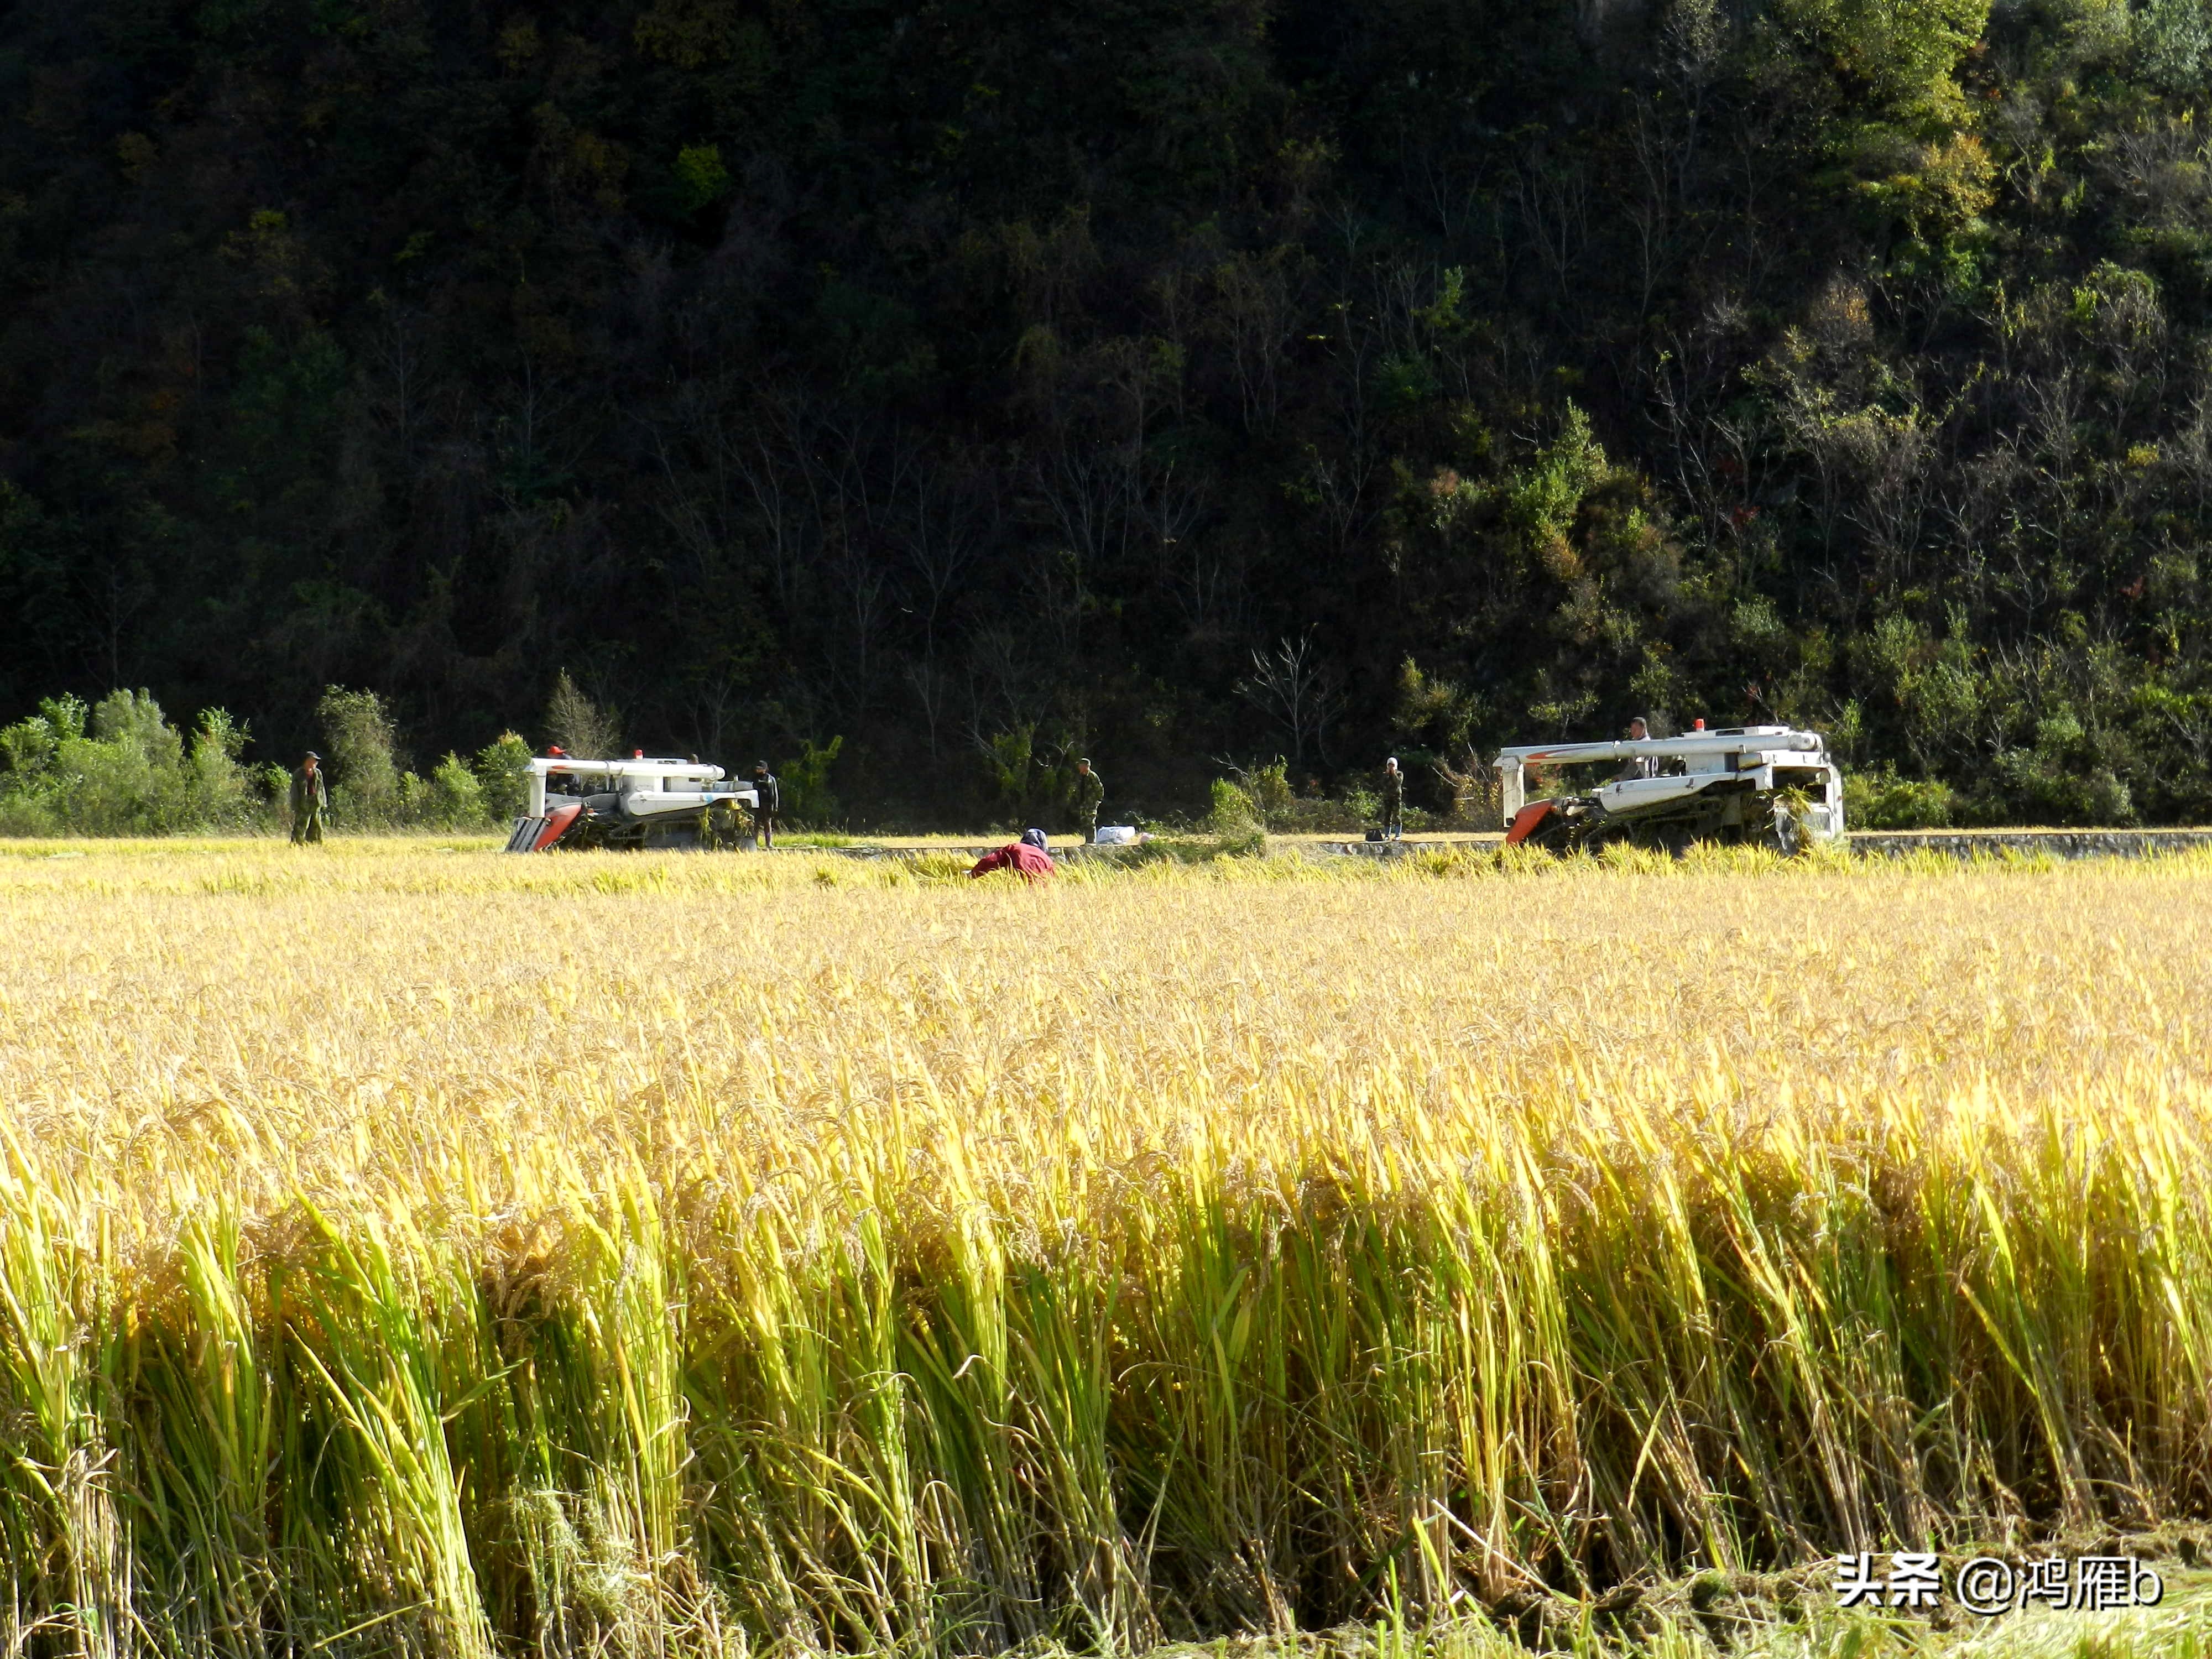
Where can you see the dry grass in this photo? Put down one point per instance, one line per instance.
(433, 1250)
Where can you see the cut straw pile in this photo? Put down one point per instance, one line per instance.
(432, 1251)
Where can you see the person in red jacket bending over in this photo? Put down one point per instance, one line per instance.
(1026, 857)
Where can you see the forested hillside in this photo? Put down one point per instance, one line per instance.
(1178, 381)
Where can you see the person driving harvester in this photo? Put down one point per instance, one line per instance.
(1637, 766)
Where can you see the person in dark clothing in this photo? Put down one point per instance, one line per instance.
(1394, 801)
(770, 804)
(311, 801)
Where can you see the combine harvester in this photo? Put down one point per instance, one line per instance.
(644, 803)
(1757, 785)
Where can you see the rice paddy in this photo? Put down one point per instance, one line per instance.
(405, 1248)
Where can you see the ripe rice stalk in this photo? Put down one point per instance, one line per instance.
(389, 1263)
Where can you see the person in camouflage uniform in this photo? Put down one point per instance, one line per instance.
(1394, 800)
(1090, 793)
(311, 801)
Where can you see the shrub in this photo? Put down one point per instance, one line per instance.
(1234, 812)
(456, 797)
(1261, 798)
(807, 796)
(1269, 787)
(218, 783)
(121, 769)
(1883, 800)
(275, 788)
(360, 746)
(370, 787)
(502, 768)
(2067, 777)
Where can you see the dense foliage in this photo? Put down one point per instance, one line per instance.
(119, 768)
(976, 383)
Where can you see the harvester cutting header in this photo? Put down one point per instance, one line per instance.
(640, 803)
(1759, 785)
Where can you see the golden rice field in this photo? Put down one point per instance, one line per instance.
(414, 1251)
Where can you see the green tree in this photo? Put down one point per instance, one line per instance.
(805, 785)
(455, 797)
(502, 771)
(121, 769)
(579, 727)
(1900, 55)
(360, 745)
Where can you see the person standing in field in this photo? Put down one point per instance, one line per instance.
(311, 801)
(1089, 795)
(768, 806)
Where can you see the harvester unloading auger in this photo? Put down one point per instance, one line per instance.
(644, 803)
(1757, 785)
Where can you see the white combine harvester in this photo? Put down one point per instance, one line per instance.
(1762, 785)
(640, 803)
